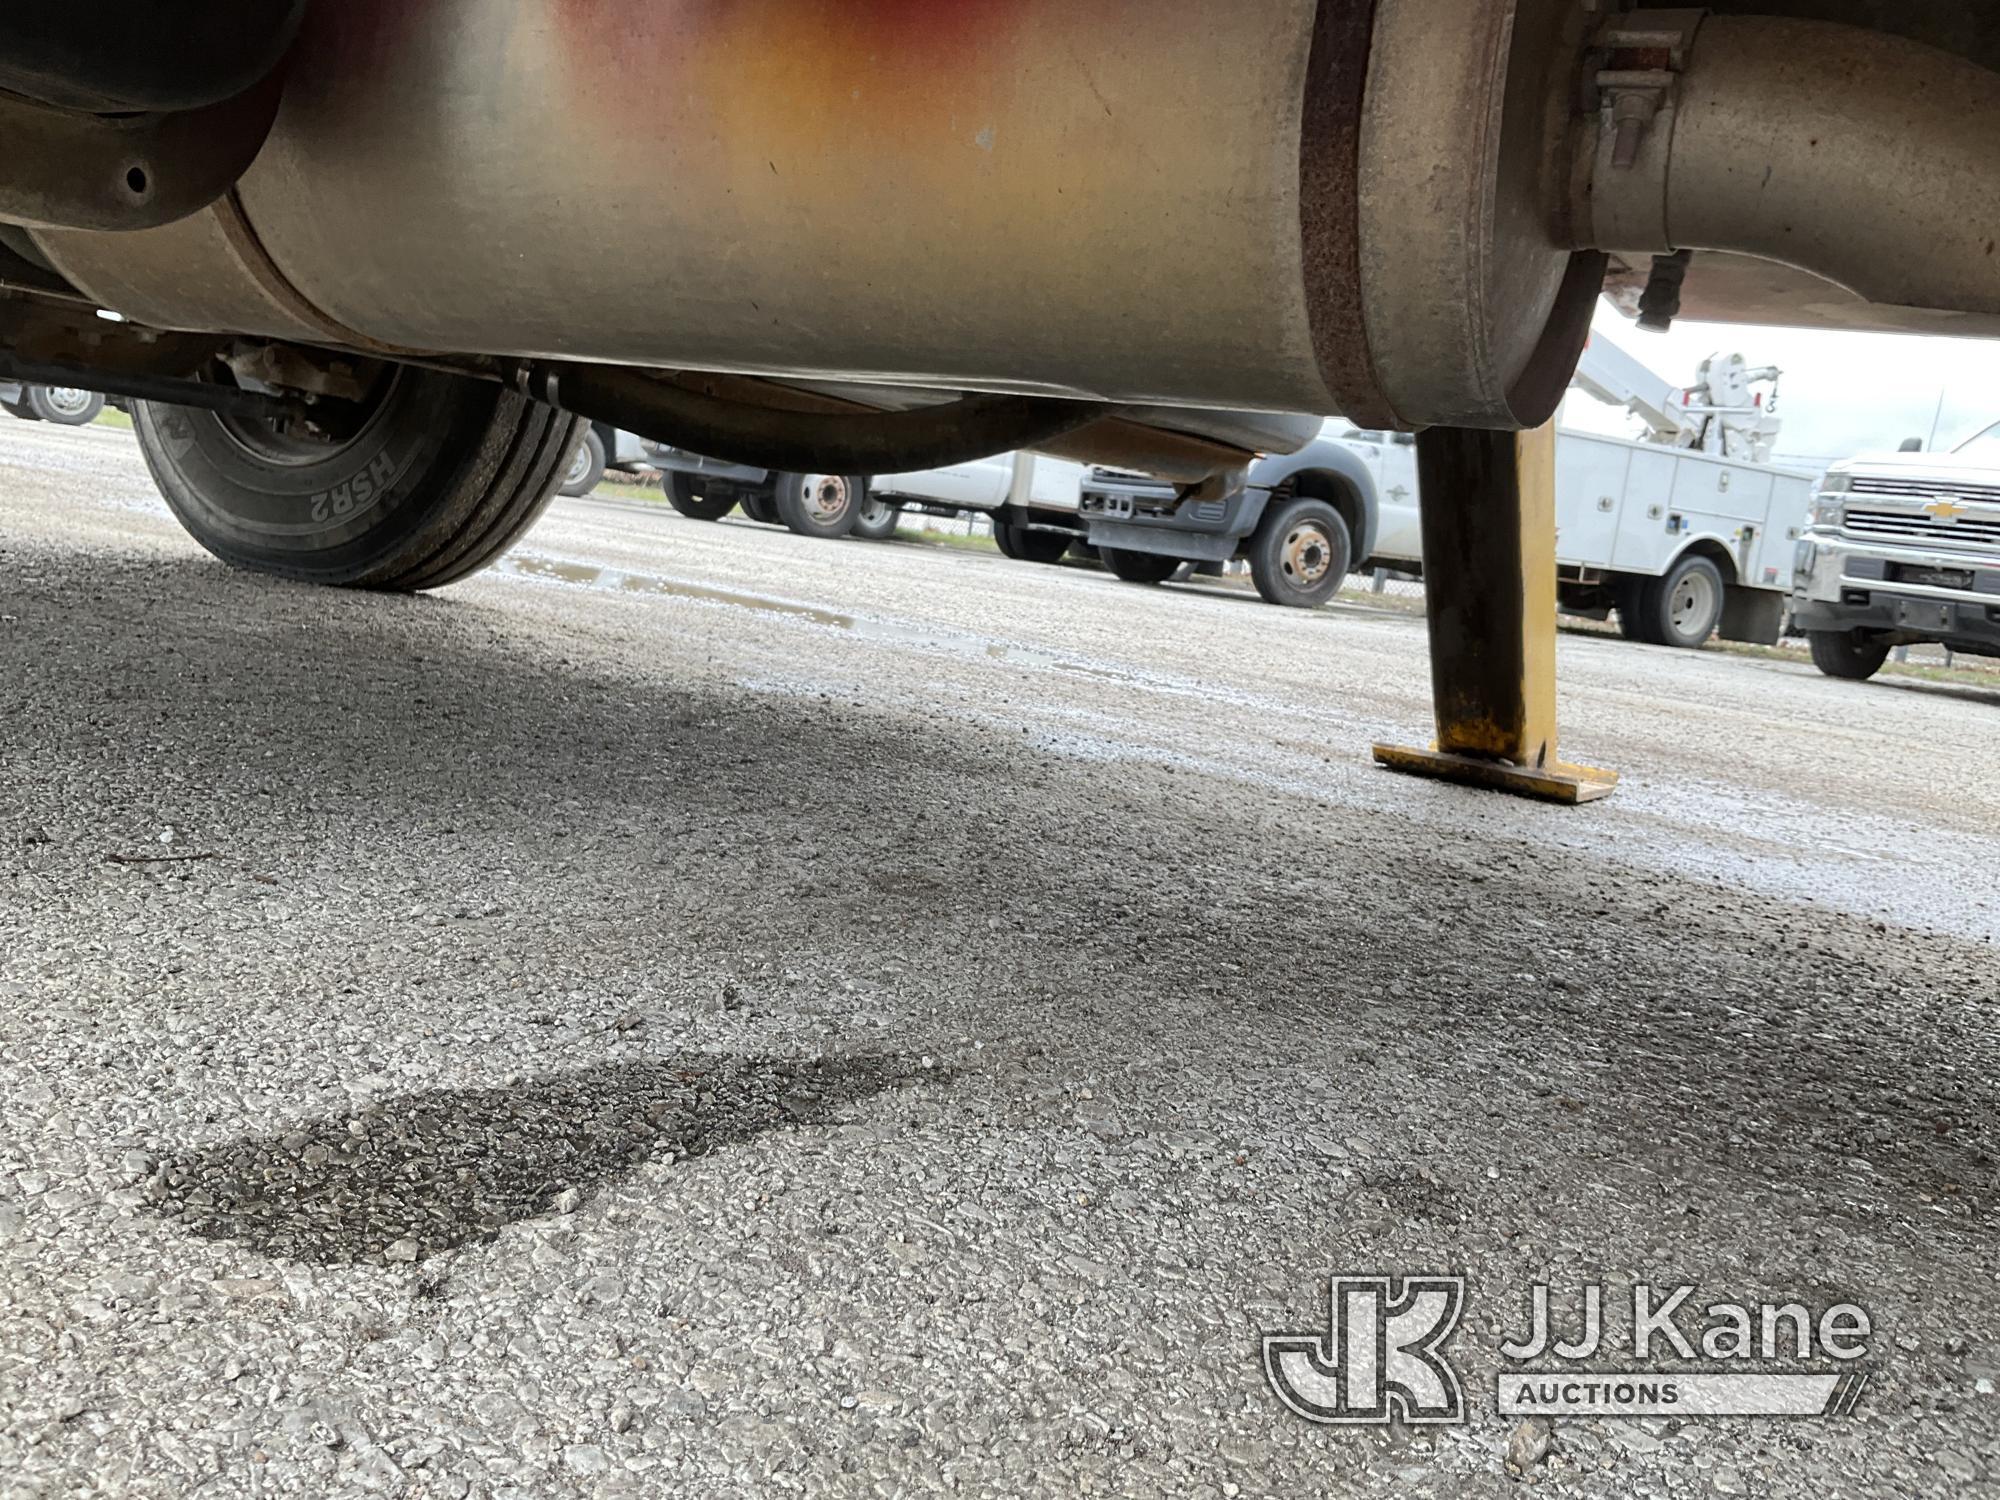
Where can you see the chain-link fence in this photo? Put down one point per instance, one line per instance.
(1387, 584)
(965, 524)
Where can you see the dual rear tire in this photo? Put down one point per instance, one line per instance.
(1024, 544)
(1138, 567)
(63, 405)
(696, 498)
(878, 519)
(814, 505)
(820, 505)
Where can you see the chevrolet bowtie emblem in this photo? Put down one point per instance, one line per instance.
(1945, 510)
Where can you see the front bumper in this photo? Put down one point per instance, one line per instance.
(1909, 594)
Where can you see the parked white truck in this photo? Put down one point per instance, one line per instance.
(601, 446)
(1903, 550)
(62, 404)
(1686, 532)
(1031, 498)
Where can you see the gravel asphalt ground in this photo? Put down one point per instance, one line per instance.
(699, 1011)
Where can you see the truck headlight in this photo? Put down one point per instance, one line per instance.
(1828, 502)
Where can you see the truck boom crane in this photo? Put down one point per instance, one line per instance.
(1721, 413)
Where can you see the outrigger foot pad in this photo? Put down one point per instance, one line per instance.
(1556, 782)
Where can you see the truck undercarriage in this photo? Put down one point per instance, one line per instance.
(364, 268)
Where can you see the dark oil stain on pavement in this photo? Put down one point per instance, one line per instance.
(443, 1168)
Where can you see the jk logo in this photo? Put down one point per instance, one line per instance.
(1379, 1359)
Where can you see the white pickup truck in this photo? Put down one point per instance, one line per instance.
(1683, 535)
(1903, 550)
(1031, 498)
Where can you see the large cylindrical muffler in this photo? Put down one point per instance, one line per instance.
(1287, 205)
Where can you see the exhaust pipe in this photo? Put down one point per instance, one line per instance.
(1390, 209)
(1283, 206)
(1870, 161)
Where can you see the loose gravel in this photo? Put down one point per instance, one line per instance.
(705, 1012)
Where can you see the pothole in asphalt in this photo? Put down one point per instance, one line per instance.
(412, 1176)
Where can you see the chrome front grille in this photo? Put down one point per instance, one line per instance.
(1915, 526)
(1925, 489)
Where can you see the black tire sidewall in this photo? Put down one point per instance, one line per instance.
(877, 531)
(794, 513)
(1267, 569)
(429, 451)
(695, 504)
(1659, 604)
(1042, 547)
(1845, 655)
(593, 472)
(1139, 567)
(36, 399)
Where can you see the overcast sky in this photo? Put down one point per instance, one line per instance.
(1842, 394)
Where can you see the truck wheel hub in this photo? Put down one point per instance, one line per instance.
(67, 399)
(827, 497)
(1693, 603)
(1307, 555)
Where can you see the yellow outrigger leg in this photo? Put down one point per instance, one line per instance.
(1490, 587)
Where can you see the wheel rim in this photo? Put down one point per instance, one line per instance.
(66, 400)
(876, 512)
(292, 486)
(828, 498)
(1307, 554)
(292, 448)
(1691, 608)
(579, 465)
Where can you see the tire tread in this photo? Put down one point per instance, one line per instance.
(510, 465)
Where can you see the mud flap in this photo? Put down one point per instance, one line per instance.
(1753, 615)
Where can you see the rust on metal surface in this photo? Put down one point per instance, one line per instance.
(1329, 209)
(1490, 574)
